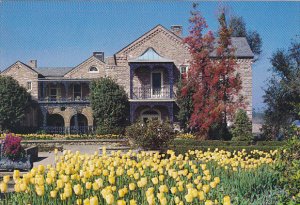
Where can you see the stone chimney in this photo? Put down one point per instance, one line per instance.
(99, 55)
(33, 63)
(177, 29)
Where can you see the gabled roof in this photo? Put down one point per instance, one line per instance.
(148, 33)
(242, 48)
(53, 71)
(27, 66)
(91, 57)
(241, 45)
(150, 55)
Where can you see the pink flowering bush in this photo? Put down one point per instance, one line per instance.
(12, 147)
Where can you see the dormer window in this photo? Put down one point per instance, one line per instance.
(93, 69)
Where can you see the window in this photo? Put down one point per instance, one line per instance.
(93, 69)
(29, 86)
(53, 92)
(77, 91)
(184, 70)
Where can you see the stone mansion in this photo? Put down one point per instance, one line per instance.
(148, 69)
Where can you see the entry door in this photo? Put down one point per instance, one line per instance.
(156, 84)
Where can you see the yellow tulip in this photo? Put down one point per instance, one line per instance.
(132, 202)
(121, 202)
(226, 200)
(109, 199)
(173, 190)
(208, 202)
(53, 194)
(201, 195)
(154, 180)
(206, 188)
(41, 169)
(121, 193)
(94, 200)
(132, 186)
(86, 201)
(111, 179)
(188, 198)
(88, 185)
(40, 190)
(59, 184)
(6, 179)
(95, 186)
(79, 202)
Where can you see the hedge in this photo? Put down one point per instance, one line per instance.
(193, 142)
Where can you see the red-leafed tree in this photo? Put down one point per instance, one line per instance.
(213, 80)
(229, 79)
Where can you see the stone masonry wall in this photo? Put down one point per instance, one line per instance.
(23, 74)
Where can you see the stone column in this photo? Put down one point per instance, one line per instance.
(170, 109)
(170, 71)
(131, 81)
(66, 89)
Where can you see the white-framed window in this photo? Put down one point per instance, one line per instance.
(29, 85)
(184, 69)
(156, 83)
(54, 92)
(93, 69)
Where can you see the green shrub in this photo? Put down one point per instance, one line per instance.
(110, 106)
(242, 128)
(151, 135)
(288, 164)
(14, 100)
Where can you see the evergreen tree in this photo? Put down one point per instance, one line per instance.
(242, 127)
(13, 101)
(110, 106)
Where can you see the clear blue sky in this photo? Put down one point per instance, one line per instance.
(63, 33)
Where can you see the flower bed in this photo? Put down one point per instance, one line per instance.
(63, 137)
(217, 177)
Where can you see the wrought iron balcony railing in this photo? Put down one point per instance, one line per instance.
(151, 93)
(63, 100)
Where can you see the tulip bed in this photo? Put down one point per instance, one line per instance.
(197, 177)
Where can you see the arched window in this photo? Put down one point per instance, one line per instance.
(93, 69)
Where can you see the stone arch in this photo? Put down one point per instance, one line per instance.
(55, 120)
(150, 113)
(81, 119)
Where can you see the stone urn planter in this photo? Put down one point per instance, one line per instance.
(22, 163)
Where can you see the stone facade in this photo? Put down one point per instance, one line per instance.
(64, 91)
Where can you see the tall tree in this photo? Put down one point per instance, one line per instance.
(199, 74)
(238, 27)
(110, 106)
(13, 101)
(213, 81)
(282, 96)
(229, 80)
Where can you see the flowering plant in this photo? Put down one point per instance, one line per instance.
(12, 147)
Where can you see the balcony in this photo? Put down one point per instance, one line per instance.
(64, 100)
(148, 93)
